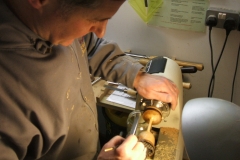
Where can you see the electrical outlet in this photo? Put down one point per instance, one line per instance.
(222, 15)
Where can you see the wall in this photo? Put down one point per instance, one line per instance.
(130, 32)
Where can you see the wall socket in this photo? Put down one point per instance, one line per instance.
(222, 15)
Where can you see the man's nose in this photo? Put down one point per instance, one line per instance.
(100, 29)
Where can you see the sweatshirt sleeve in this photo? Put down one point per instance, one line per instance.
(108, 61)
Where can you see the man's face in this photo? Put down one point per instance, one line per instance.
(82, 22)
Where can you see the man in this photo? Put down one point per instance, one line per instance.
(47, 106)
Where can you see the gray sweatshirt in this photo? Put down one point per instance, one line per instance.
(47, 106)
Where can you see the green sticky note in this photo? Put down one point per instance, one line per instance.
(145, 8)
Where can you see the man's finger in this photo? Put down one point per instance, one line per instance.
(129, 142)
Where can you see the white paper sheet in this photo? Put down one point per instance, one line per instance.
(122, 98)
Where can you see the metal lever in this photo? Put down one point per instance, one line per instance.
(135, 123)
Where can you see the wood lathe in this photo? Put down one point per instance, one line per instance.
(153, 121)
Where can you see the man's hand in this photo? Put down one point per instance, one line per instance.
(156, 87)
(129, 149)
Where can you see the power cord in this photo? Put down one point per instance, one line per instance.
(211, 21)
(229, 25)
(212, 81)
(210, 43)
(233, 83)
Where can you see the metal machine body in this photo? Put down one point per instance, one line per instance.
(211, 128)
(168, 119)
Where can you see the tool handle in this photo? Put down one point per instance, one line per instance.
(199, 66)
(151, 57)
(187, 85)
(189, 69)
(143, 61)
(131, 92)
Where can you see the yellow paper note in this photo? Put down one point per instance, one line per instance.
(145, 8)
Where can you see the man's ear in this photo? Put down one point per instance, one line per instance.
(37, 4)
